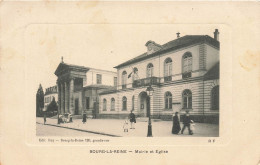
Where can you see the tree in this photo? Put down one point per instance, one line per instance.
(52, 106)
(39, 101)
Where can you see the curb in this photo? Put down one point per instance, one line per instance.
(100, 133)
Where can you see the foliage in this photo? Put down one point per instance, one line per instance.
(39, 101)
(52, 106)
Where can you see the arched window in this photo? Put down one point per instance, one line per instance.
(215, 98)
(124, 79)
(187, 99)
(112, 104)
(186, 65)
(104, 104)
(168, 67)
(168, 100)
(124, 103)
(135, 74)
(133, 102)
(150, 70)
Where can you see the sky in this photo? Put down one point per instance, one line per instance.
(101, 46)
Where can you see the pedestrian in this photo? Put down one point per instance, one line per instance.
(84, 120)
(176, 124)
(186, 122)
(44, 118)
(132, 120)
(125, 126)
(192, 126)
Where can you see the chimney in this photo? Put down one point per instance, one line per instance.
(178, 34)
(216, 35)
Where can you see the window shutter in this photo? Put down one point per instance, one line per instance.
(165, 70)
(170, 69)
(190, 102)
(170, 103)
(166, 103)
(185, 102)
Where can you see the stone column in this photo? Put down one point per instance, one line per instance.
(61, 98)
(66, 97)
(71, 99)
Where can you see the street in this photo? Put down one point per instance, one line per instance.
(46, 130)
(114, 127)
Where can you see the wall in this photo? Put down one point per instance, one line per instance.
(107, 77)
(212, 57)
(176, 57)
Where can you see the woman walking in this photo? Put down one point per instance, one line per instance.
(84, 120)
(176, 124)
(132, 120)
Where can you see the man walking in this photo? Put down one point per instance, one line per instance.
(186, 123)
(132, 119)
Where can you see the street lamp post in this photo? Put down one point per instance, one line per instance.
(150, 91)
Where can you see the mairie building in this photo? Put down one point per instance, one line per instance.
(184, 74)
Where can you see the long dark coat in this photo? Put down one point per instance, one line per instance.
(84, 118)
(176, 125)
(132, 117)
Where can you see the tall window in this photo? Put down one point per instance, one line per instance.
(112, 104)
(124, 103)
(104, 104)
(87, 102)
(186, 65)
(135, 74)
(187, 99)
(133, 102)
(99, 79)
(168, 100)
(124, 79)
(150, 70)
(115, 81)
(168, 67)
(215, 98)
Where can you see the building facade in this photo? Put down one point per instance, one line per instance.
(50, 94)
(184, 74)
(79, 86)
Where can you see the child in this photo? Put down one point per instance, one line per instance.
(125, 126)
(192, 126)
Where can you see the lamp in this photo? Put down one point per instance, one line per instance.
(150, 91)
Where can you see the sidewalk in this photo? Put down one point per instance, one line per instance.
(114, 127)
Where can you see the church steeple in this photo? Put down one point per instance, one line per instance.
(61, 59)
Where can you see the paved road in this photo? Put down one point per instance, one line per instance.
(115, 127)
(45, 130)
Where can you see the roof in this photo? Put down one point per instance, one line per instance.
(100, 86)
(174, 45)
(108, 91)
(64, 66)
(213, 73)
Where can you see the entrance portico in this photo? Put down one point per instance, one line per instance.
(70, 84)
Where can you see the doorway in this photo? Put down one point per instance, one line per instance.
(76, 106)
(143, 104)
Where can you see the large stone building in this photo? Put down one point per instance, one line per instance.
(184, 74)
(50, 94)
(79, 86)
